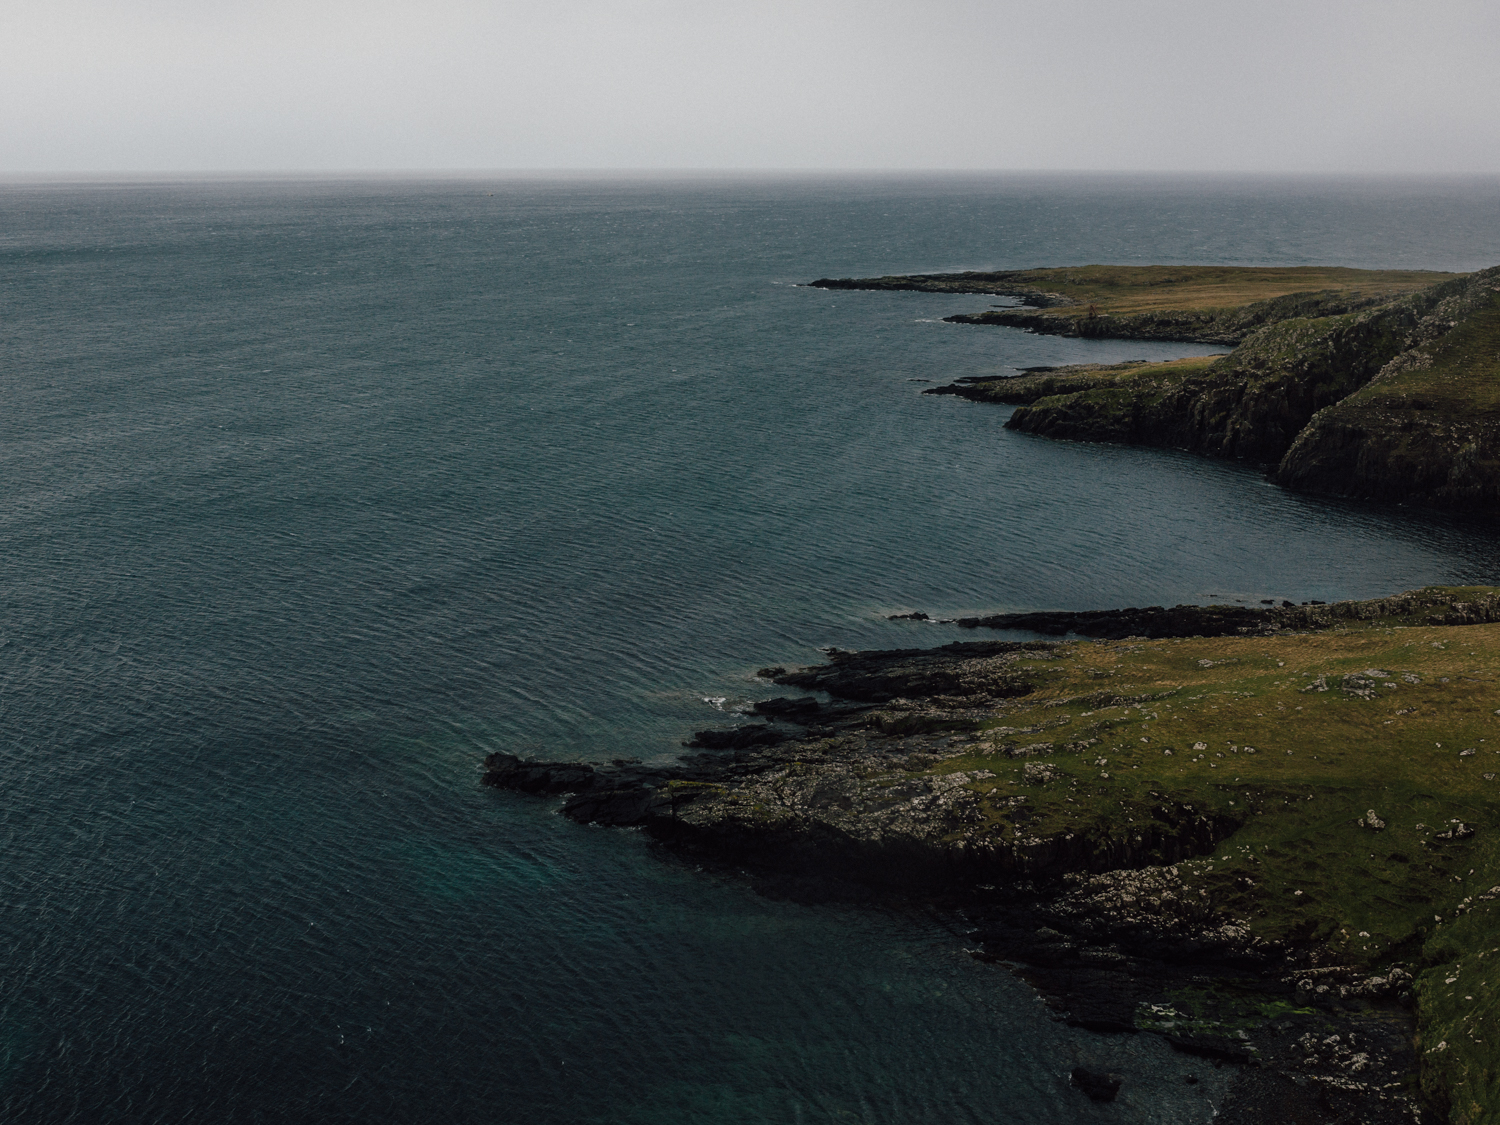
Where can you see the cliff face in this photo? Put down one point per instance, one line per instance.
(1249, 405)
(1426, 428)
(1398, 401)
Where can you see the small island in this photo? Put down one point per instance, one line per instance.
(1373, 384)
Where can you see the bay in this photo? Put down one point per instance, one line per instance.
(316, 491)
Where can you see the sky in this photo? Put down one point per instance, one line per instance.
(1312, 86)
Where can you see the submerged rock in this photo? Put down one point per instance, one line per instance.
(1099, 1087)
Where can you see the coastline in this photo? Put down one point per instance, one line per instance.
(987, 780)
(1385, 389)
(1009, 785)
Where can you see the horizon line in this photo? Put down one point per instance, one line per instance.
(606, 172)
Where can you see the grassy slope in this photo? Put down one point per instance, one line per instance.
(1320, 760)
(1127, 290)
(1025, 389)
(1066, 293)
(1462, 374)
(1249, 405)
(1430, 424)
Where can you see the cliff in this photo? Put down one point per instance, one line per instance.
(1398, 400)
(1426, 427)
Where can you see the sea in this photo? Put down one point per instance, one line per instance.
(313, 492)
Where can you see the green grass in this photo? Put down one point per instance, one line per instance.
(1088, 377)
(1300, 767)
(1237, 728)
(1462, 378)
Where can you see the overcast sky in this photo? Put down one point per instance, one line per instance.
(1164, 85)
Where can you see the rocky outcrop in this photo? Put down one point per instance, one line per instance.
(994, 781)
(841, 798)
(1035, 383)
(1250, 405)
(860, 797)
(1426, 607)
(1346, 392)
(978, 673)
(1207, 326)
(740, 738)
(1426, 428)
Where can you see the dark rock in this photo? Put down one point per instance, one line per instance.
(1036, 383)
(741, 738)
(956, 670)
(506, 771)
(1151, 622)
(1006, 284)
(907, 617)
(1099, 1087)
(794, 710)
(619, 808)
(1154, 622)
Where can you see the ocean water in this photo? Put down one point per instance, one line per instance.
(315, 492)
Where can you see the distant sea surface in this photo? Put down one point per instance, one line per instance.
(314, 493)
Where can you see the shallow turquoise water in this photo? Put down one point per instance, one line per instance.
(317, 492)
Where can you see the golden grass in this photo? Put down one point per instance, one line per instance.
(1123, 290)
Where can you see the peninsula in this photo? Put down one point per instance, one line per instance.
(1374, 384)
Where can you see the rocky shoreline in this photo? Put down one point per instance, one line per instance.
(1341, 1054)
(943, 778)
(1357, 392)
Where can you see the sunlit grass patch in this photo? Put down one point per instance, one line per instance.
(1121, 290)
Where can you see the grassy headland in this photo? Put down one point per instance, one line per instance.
(1395, 399)
(1216, 304)
(1297, 820)
(1427, 425)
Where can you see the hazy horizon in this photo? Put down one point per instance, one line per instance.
(162, 87)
